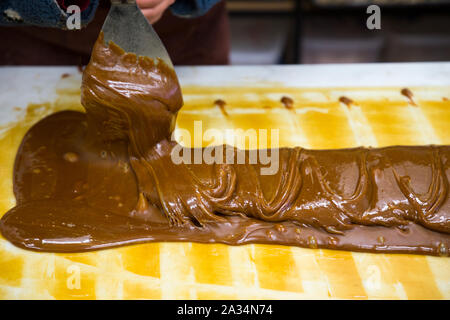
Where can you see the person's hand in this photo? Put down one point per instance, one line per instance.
(153, 9)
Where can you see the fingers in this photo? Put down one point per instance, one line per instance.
(152, 15)
(147, 3)
(154, 9)
(155, 19)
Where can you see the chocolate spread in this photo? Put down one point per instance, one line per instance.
(105, 178)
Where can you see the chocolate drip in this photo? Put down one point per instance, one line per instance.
(409, 95)
(347, 101)
(107, 178)
(221, 104)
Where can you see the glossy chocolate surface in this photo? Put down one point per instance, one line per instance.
(106, 178)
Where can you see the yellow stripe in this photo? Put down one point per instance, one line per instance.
(415, 276)
(343, 277)
(277, 269)
(211, 263)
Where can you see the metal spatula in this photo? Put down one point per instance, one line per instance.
(127, 27)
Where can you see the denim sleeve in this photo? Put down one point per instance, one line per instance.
(43, 13)
(192, 8)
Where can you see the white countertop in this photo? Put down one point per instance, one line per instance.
(21, 85)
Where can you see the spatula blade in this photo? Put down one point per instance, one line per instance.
(127, 27)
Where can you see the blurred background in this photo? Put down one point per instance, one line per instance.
(334, 31)
(261, 32)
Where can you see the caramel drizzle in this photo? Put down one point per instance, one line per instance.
(288, 189)
(218, 196)
(426, 205)
(352, 205)
(222, 195)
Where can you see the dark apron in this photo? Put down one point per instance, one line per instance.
(199, 41)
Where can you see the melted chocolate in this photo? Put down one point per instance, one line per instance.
(287, 102)
(221, 104)
(409, 95)
(347, 101)
(106, 178)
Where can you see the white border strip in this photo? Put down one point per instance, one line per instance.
(320, 75)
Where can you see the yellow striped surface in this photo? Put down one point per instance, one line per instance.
(377, 117)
